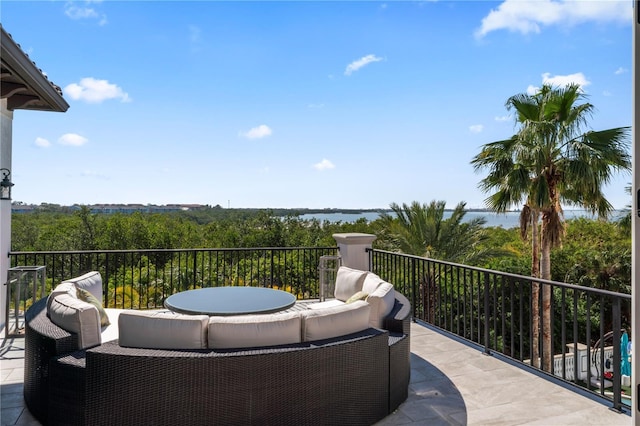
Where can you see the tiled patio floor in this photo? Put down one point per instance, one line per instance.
(451, 384)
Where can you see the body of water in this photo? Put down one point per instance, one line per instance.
(505, 220)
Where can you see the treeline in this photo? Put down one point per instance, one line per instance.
(211, 228)
(595, 253)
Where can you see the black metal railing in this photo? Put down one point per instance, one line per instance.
(497, 311)
(142, 279)
(492, 309)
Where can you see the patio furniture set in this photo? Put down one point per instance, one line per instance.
(343, 361)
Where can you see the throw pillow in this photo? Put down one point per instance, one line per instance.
(360, 295)
(86, 296)
(91, 281)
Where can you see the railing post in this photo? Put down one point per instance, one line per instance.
(414, 288)
(617, 358)
(353, 249)
(487, 351)
(105, 281)
(195, 268)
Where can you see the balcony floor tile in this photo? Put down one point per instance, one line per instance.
(452, 383)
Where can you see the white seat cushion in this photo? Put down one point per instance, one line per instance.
(91, 281)
(381, 302)
(336, 321)
(110, 332)
(244, 331)
(76, 316)
(162, 330)
(326, 304)
(348, 282)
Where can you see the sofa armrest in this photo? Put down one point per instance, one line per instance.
(399, 320)
(43, 341)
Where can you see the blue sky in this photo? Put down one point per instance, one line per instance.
(300, 103)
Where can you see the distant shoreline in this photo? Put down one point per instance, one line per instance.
(18, 207)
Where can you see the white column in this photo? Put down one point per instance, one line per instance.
(6, 122)
(353, 249)
(635, 223)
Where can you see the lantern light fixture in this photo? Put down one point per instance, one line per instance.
(5, 184)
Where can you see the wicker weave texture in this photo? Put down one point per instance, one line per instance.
(43, 341)
(350, 380)
(332, 382)
(399, 369)
(67, 390)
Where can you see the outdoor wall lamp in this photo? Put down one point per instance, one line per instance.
(5, 184)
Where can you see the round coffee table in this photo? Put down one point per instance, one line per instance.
(225, 301)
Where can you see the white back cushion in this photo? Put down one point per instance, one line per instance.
(371, 282)
(162, 330)
(78, 317)
(381, 302)
(336, 321)
(110, 332)
(348, 282)
(246, 331)
(91, 281)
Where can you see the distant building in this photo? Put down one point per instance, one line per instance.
(114, 208)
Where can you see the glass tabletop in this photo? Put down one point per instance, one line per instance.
(226, 301)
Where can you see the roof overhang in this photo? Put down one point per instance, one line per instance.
(22, 83)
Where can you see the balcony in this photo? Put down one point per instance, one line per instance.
(471, 341)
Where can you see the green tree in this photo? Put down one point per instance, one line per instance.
(624, 221)
(86, 228)
(422, 230)
(551, 161)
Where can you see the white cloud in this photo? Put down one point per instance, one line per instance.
(530, 16)
(84, 11)
(324, 165)
(621, 71)
(560, 81)
(357, 64)
(259, 132)
(95, 91)
(42, 142)
(72, 139)
(607, 93)
(476, 128)
(563, 80)
(532, 90)
(315, 106)
(503, 118)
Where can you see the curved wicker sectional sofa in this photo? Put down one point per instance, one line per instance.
(353, 379)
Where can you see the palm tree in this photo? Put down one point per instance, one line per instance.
(624, 222)
(422, 230)
(550, 162)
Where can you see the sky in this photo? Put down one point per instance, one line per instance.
(299, 104)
